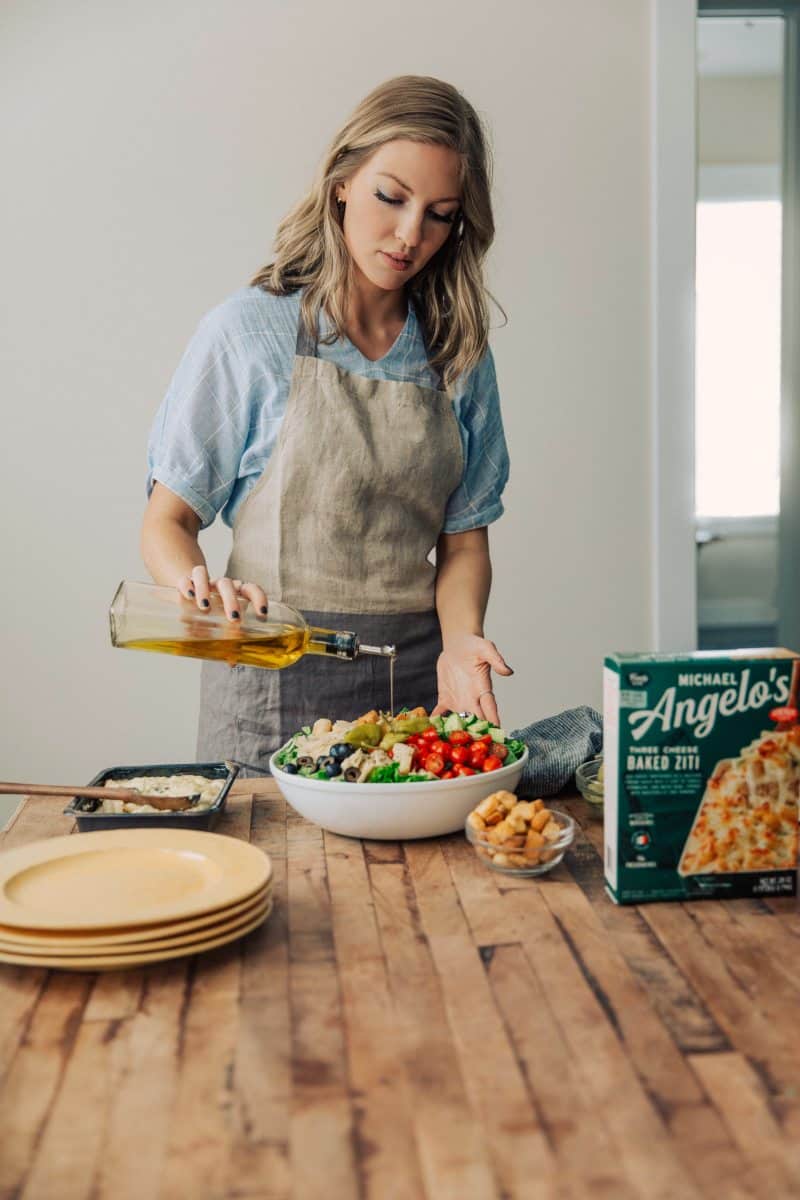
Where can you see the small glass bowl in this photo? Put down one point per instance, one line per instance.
(549, 857)
(589, 786)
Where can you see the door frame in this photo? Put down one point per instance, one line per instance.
(788, 592)
(673, 192)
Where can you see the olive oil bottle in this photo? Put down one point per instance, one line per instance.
(144, 616)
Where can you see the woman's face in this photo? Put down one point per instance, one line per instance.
(401, 207)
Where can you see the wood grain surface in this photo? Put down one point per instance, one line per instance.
(410, 1026)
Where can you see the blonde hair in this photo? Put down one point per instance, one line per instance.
(449, 294)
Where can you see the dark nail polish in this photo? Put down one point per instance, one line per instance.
(191, 592)
(205, 603)
(235, 615)
(264, 609)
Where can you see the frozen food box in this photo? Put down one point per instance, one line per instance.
(702, 774)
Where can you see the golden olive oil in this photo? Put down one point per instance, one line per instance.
(279, 648)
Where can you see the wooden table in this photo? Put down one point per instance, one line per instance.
(408, 1025)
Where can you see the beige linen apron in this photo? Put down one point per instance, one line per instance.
(340, 525)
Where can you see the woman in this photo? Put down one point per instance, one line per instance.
(342, 413)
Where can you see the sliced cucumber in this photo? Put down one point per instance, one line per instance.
(452, 723)
(478, 728)
(498, 735)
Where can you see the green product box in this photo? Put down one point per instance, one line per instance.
(701, 774)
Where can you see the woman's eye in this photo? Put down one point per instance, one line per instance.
(447, 219)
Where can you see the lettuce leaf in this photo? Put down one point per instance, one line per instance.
(390, 773)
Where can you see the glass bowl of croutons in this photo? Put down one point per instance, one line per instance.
(519, 837)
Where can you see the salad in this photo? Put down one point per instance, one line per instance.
(408, 748)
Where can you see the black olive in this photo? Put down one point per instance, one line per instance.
(305, 760)
(323, 761)
(332, 768)
(352, 774)
(290, 768)
(340, 751)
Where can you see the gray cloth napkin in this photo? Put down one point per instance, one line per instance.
(557, 746)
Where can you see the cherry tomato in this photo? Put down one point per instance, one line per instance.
(462, 770)
(492, 763)
(447, 775)
(430, 734)
(477, 755)
(460, 737)
(441, 748)
(486, 739)
(500, 751)
(413, 739)
(434, 763)
(459, 754)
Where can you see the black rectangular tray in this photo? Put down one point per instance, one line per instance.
(84, 810)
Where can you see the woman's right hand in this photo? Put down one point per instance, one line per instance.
(234, 593)
(169, 539)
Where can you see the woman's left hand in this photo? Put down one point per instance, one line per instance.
(464, 670)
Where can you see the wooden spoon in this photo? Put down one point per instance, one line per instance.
(130, 795)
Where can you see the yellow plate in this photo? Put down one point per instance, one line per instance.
(126, 877)
(43, 939)
(77, 950)
(106, 942)
(116, 962)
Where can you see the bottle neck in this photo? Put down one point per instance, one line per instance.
(340, 643)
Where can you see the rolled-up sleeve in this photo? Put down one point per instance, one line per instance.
(477, 501)
(200, 432)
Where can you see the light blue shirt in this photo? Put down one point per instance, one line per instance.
(218, 423)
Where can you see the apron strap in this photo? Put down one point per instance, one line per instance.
(305, 345)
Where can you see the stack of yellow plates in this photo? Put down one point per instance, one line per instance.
(126, 897)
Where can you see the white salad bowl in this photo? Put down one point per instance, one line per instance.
(393, 811)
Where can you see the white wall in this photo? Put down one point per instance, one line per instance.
(149, 151)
